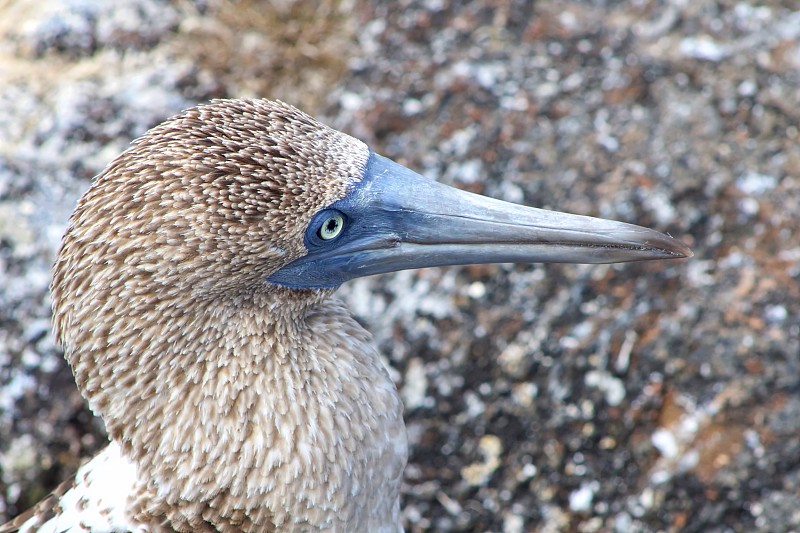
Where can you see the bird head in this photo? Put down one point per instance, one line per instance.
(212, 201)
(241, 195)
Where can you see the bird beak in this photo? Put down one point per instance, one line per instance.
(396, 219)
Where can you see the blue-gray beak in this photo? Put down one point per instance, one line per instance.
(395, 219)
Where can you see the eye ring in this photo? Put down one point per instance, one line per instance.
(331, 227)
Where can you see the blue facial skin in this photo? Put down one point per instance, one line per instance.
(395, 219)
(371, 220)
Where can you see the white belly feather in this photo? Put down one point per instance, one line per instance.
(97, 502)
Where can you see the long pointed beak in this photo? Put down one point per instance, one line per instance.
(396, 220)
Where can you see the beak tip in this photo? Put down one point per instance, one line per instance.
(681, 250)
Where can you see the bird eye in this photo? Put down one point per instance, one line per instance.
(331, 227)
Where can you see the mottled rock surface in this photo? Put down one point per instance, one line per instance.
(641, 397)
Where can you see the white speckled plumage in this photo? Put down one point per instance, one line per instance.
(97, 501)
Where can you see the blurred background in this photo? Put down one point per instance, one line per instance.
(641, 397)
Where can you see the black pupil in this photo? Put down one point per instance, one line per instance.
(330, 227)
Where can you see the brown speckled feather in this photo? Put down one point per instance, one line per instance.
(235, 404)
(232, 404)
(42, 511)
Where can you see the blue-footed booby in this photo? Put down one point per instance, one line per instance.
(192, 295)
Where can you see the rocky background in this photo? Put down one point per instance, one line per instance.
(641, 397)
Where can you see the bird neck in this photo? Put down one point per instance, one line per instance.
(252, 397)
